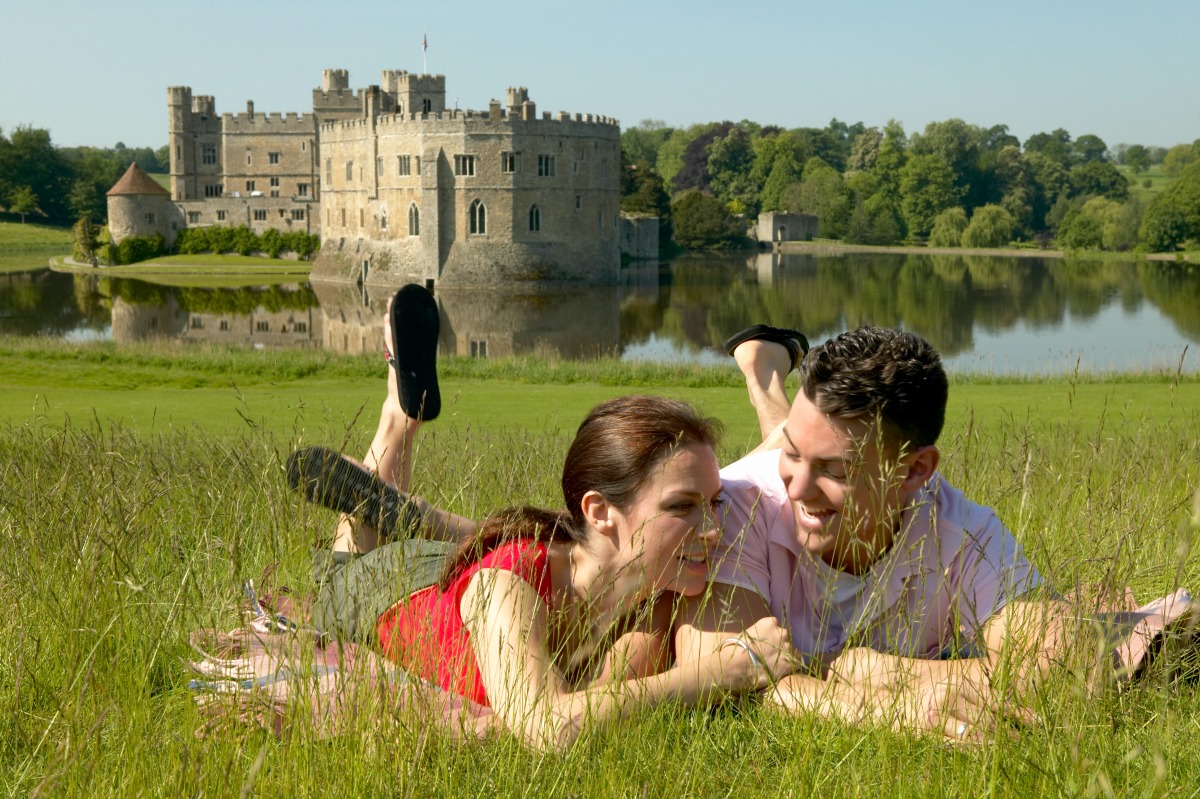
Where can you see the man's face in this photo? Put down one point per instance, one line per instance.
(845, 486)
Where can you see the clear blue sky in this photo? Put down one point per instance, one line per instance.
(96, 73)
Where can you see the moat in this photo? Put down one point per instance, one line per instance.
(986, 314)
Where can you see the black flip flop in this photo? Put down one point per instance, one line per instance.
(793, 340)
(327, 479)
(415, 327)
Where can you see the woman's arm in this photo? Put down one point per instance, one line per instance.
(508, 625)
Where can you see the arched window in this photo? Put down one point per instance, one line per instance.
(535, 219)
(414, 220)
(478, 214)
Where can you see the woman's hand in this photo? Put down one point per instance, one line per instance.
(757, 658)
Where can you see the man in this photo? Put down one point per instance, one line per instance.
(840, 526)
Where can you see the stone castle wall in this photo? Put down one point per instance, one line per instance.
(390, 178)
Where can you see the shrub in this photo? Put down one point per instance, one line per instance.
(990, 226)
(135, 249)
(948, 228)
(704, 221)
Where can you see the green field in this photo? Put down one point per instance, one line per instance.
(140, 486)
(1137, 183)
(15, 236)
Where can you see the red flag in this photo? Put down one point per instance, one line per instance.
(424, 42)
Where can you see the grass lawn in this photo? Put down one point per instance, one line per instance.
(1137, 183)
(15, 236)
(140, 485)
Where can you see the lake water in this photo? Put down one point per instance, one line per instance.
(999, 315)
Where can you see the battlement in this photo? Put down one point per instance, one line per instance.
(457, 119)
(291, 122)
(335, 80)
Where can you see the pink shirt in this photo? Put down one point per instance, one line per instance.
(952, 567)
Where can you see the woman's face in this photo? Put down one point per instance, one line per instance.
(671, 524)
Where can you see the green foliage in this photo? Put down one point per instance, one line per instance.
(670, 154)
(703, 221)
(1178, 158)
(823, 192)
(643, 140)
(926, 189)
(1174, 216)
(1099, 179)
(948, 228)
(1137, 157)
(135, 249)
(243, 241)
(22, 201)
(990, 226)
(87, 239)
(1100, 223)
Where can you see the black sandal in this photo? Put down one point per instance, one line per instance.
(415, 326)
(793, 340)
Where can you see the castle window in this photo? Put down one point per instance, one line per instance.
(578, 202)
(383, 220)
(508, 162)
(545, 166)
(329, 171)
(417, 164)
(378, 167)
(300, 327)
(575, 167)
(303, 146)
(197, 323)
(249, 157)
(298, 214)
(150, 219)
(478, 217)
(224, 324)
(272, 158)
(426, 106)
(349, 170)
(478, 348)
(262, 327)
(414, 220)
(210, 154)
(535, 219)
(193, 217)
(212, 190)
(343, 210)
(274, 183)
(249, 185)
(403, 165)
(302, 189)
(260, 215)
(464, 165)
(220, 216)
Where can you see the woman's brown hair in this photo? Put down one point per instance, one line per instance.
(616, 448)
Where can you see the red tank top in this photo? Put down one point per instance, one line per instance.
(424, 633)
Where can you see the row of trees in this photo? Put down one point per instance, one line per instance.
(64, 183)
(954, 184)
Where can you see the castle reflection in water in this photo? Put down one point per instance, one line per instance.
(566, 323)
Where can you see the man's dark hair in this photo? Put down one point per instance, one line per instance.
(876, 372)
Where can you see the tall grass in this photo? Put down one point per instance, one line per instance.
(119, 543)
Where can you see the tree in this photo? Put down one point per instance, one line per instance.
(1056, 146)
(890, 159)
(31, 160)
(1174, 216)
(1137, 158)
(777, 191)
(1178, 158)
(87, 239)
(670, 153)
(1099, 178)
(641, 142)
(823, 192)
(22, 201)
(990, 226)
(865, 149)
(926, 189)
(948, 228)
(730, 158)
(704, 221)
(1089, 149)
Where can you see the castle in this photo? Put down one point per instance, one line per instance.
(398, 187)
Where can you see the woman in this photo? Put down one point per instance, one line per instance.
(556, 620)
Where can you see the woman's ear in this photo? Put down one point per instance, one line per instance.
(599, 513)
(922, 464)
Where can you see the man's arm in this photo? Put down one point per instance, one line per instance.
(963, 699)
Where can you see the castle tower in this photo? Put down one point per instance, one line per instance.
(416, 94)
(138, 206)
(194, 139)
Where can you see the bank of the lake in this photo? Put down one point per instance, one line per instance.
(830, 247)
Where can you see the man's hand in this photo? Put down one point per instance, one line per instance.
(952, 698)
